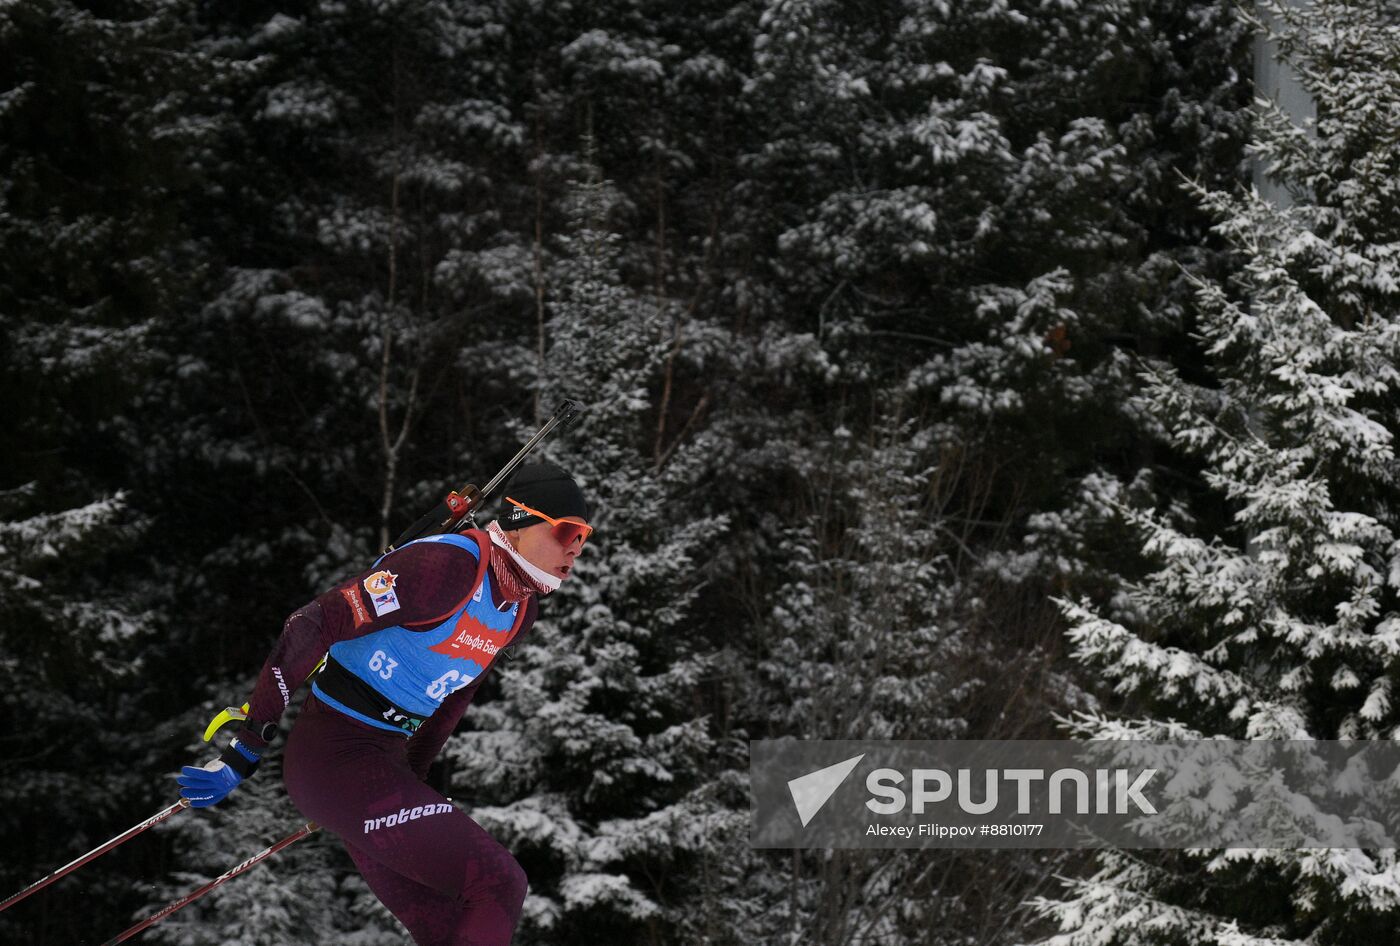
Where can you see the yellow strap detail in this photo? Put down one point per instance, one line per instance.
(227, 715)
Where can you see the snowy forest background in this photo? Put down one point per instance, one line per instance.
(947, 379)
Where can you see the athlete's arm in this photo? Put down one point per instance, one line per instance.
(427, 742)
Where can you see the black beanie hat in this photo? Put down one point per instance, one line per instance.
(542, 486)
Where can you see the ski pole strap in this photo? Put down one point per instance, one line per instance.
(356, 695)
(241, 759)
(226, 715)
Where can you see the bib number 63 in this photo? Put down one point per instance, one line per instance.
(382, 664)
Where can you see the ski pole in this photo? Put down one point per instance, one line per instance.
(96, 852)
(309, 828)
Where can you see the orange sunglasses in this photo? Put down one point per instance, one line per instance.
(565, 530)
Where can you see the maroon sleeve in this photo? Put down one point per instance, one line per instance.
(428, 741)
(418, 585)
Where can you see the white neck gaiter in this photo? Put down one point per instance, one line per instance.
(543, 581)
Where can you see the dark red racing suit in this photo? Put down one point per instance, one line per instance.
(409, 644)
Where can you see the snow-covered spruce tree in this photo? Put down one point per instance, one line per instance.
(982, 200)
(1266, 606)
(360, 161)
(964, 208)
(873, 610)
(100, 111)
(68, 647)
(977, 206)
(592, 765)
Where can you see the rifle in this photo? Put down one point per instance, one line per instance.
(457, 511)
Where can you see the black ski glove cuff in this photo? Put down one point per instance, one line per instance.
(240, 758)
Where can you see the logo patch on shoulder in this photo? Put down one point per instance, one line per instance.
(382, 595)
(380, 582)
(357, 610)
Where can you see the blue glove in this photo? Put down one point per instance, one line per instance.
(211, 784)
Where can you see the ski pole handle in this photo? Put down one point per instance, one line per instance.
(229, 714)
(95, 853)
(309, 828)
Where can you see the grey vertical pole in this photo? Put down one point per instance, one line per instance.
(1275, 80)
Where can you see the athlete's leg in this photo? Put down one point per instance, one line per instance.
(435, 919)
(355, 781)
(430, 916)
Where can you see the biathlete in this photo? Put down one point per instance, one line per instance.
(408, 644)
